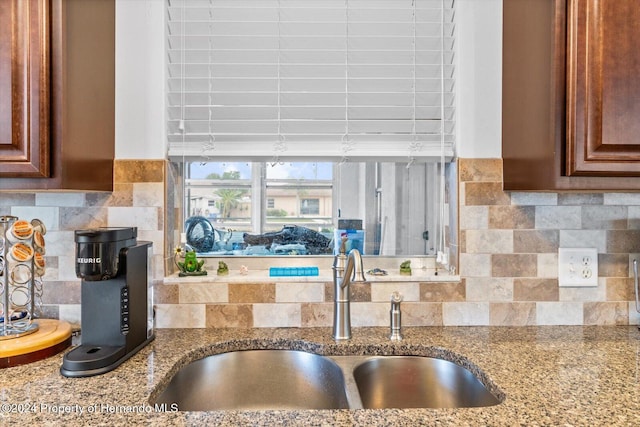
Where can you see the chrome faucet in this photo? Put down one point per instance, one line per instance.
(346, 268)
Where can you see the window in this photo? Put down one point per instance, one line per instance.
(288, 184)
(392, 203)
(310, 207)
(271, 85)
(231, 197)
(218, 193)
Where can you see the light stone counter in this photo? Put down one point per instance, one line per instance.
(423, 270)
(549, 376)
(262, 276)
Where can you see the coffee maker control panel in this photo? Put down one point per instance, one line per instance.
(124, 310)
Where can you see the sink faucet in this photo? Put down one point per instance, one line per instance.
(346, 268)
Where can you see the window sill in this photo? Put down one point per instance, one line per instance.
(262, 276)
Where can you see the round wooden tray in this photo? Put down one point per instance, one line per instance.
(52, 337)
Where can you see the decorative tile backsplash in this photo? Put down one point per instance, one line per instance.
(507, 248)
(137, 200)
(303, 302)
(509, 244)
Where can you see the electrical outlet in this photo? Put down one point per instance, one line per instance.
(578, 267)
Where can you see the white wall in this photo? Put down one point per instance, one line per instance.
(140, 76)
(479, 79)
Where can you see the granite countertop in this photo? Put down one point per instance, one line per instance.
(556, 375)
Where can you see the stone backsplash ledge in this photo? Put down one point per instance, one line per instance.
(508, 245)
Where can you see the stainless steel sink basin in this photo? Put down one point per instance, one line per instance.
(290, 379)
(418, 382)
(256, 380)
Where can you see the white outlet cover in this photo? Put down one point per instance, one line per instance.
(577, 267)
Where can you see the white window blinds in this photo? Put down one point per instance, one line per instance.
(346, 79)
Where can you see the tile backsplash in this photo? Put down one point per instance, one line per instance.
(137, 200)
(507, 250)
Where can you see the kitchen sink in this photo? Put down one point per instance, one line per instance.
(290, 379)
(418, 382)
(258, 380)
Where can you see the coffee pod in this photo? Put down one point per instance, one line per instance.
(20, 274)
(38, 242)
(19, 297)
(39, 226)
(38, 262)
(21, 252)
(20, 230)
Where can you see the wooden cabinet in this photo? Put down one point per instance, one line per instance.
(603, 88)
(571, 95)
(57, 94)
(24, 88)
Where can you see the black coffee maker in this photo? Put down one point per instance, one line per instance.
(117, 300)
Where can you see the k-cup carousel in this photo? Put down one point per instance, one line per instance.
(24, 337)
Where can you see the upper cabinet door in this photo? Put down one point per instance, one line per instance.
(24, 88)
(603, 88)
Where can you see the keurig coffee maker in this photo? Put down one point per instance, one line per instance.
(116, 297)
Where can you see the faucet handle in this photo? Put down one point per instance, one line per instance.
(396, 297)
(343, 245)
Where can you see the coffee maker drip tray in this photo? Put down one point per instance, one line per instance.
(87, 360)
